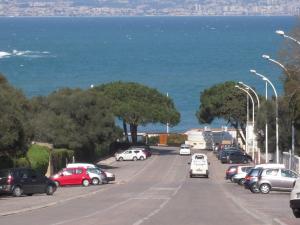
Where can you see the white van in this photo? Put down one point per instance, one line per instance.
(199, 165)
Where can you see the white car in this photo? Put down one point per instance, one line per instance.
(185, 150)
(131, 154)
(295, 199)
(199, 165)
(110, 176)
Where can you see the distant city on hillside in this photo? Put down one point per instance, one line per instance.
(149, 7)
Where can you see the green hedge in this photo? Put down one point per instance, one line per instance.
(22, 162)
(60, 157)
(38, 157)
(154, 140)
(176, 139)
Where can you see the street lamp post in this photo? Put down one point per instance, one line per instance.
(267, 57)
(258, 105)
(276, 106)
(281, 33)
(248, 94)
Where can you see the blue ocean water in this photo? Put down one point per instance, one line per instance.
(180, 56)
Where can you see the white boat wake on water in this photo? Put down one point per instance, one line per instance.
(27, 53)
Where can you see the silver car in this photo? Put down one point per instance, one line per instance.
(276, 180)
(295, 199)
(239, 177)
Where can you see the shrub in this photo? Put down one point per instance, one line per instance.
(154, 140)
(60, 157)
(38, 157)
(22, 162)
(6, 162)
(176, 139)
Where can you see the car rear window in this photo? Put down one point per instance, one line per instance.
(254, 172)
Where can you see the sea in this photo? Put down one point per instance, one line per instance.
(179, 56)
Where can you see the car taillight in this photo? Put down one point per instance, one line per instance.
(10, 179)
(247, 178)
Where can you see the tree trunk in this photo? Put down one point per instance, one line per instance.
(133, 131)
(125, 130)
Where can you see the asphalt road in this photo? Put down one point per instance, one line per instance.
(157, 191)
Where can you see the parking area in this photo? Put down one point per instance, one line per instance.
(271, 208)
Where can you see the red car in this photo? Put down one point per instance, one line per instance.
(72, 176)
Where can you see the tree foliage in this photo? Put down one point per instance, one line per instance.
(223, 101)
(14, 127)
(75, 119)
(137, 104)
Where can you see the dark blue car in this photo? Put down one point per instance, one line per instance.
(251, 180)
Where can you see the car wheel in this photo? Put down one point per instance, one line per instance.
(134, 158)
(50, 190)
(265, 188)
(120, 159)
(242, 181)
(231, 179)
(85, 183)
(17, 191)
(142, 158)
(254, 188)
(296, 213)
(56, 183)
(95, 181)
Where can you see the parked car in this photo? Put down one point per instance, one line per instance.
(199, 165)
(109, 176)
(295, 199)
(252, 176)
(145, 148)
(230, 172)
(131, 154)
(185, 150)
(251, 180)
(97, 176)
(270, 165)
(238, 157)
(240, 175)
(276, 180)
(72, 176)
(223, 157)
(26, 181)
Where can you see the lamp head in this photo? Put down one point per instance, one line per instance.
(92, 86)
(252, 71)
(266, 56)
(280, 32)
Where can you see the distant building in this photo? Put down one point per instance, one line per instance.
(207, 138)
